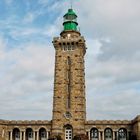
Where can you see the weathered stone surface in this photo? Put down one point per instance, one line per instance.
(72, 77)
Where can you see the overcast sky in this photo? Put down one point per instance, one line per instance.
(112, 32)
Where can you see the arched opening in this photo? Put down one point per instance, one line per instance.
(108, 134)
(122, 134)
(16, 134)
(42, 134)
(94, 134)
(68, 132)
(29, 134)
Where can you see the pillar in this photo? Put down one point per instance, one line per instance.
(89, 135)
(11, 135)
(20, 135)
(103, 135)
(113, 135)
(37, 135)
(3, 133)
(24, 137)
(99, 135)
(33, 135)
(117, 135)
(47, 134)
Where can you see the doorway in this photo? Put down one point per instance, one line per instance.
(68, 133)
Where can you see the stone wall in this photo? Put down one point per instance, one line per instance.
(115, 126)
(136, 127)
(7, 128)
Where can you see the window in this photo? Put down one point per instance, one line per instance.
(68, 47)
(94, 134)
(108, 134)
(16, 134)
(122, 134)
(68, 86)
(43, 134)
(29, 133)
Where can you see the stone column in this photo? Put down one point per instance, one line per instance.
(47, 134)
(37, 135)
(11, 135)
(33, 135)
(103, 135)
(24, 136)
(113, 135)
(117, 135)
(3, 133)
(99, 135)
(89, 135)
(20, 135)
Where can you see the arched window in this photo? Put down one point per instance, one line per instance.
(29, 134)
(108, 134)
(42, 134)
(68, 132)
(122, 134)
(94, 134)
(16, 134)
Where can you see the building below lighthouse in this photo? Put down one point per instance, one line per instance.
(69, 101)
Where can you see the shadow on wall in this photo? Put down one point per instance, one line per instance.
(56, 138)
(133, 137)
(81, 137)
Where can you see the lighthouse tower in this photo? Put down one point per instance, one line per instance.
(69, 103)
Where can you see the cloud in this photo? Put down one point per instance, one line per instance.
(43, 2)
(2, 47)
(117, 106)
(8, 2)
(28, 79)
(112, 64)
(29, 17)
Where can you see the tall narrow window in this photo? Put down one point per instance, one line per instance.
(29, 134)
(94, 134)
(68, 81)
(43, 134)
(122, 134)
(16, 134)
(108, 134)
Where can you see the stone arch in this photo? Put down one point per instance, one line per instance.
(94, 134)
(42, 127)
(43, 134)
(122, 134)
(16, 134)
(108, 134)
(29, 134)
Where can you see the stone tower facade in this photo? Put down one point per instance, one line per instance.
(69, 103)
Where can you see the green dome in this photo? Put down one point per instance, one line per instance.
(70, 13)
(70, 20)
